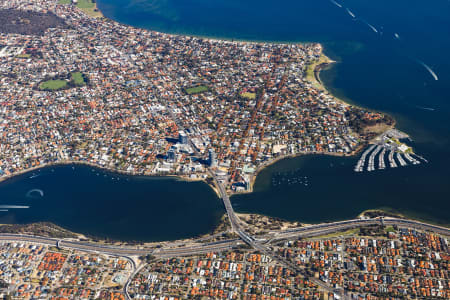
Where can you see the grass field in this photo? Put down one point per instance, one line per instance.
(390, 229)
(336, 234)
(77, 78)
(24, 55)
(85, 4)
(197, 90)
(311, 68)
(53, 85)
(251, 96)
(89, 7)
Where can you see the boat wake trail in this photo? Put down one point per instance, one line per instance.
(370, 26)
(350, 13)
(425, 108)
(428, 69)
(6, 207)
(32, 193)
(335, 3)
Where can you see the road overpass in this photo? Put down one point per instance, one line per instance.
(264, 248)
(311, 231)
(274, 237)
(122, 250)
(226, 245)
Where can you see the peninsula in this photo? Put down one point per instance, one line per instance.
(150, 103)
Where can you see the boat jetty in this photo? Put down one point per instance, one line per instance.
(360, 165)
(372, 156)
(392, 162)
(398, 153)
(381, 163)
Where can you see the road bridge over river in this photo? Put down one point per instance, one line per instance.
(311, 231)
(262, 244)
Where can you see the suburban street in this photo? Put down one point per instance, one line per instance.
(262, 243)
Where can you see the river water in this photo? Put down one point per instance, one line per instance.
(104, 204)
(381, 54)
(381, 48)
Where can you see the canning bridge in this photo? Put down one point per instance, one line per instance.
(261, 243)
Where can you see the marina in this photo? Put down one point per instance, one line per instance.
(392, 162)
(358, 50)
(421, 158)
(394, 159)
(376, 91)
(401, 160)
(382, 164)
(398, 152)
(411, 159)
(360, 165)
(372, 156)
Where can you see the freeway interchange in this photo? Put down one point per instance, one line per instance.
(274, 237)
(262, 243)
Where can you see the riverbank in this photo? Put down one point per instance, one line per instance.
(389, 212)
(93, 165)
(313, 76)
(255, 224)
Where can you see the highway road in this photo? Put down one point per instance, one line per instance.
(326, 228)
(306, 231)
(263, 248)
(125, 251)
(311, 231)
(130, 278)
(262, 244)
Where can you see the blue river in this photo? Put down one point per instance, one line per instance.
(389, 55)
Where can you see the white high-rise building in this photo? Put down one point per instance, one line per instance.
(183, 138)
(212, 158)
